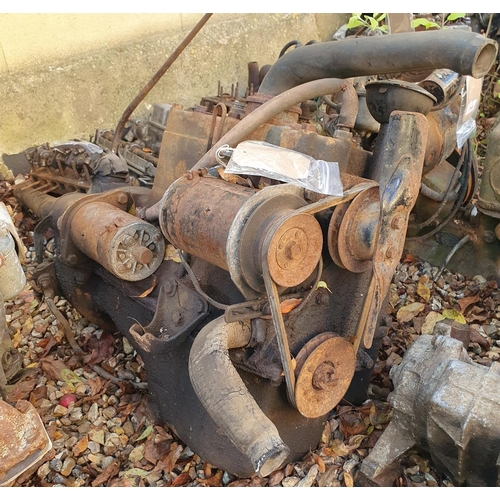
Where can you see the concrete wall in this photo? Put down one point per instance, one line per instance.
(64, 75)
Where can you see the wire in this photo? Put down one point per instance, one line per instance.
(447, 194)
(457, 247)
(460, 197)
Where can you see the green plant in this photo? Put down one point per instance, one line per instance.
(421, 21)
(371, 22)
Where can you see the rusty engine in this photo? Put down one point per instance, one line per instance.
(271, 312)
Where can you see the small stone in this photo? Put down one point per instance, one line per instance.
(82, 389)
(93, 413)
(109, 412)
(128, 428)
(290, 482)
(43, 471)
(88, 330)
(106, 462)
(94, 447)
(71, 442)
(127, 347)
(67, 466)
(76, 415)
(56, 464)
(97, 436)
(60, 411)
(95, 459)
(84, 427)
(137, 454)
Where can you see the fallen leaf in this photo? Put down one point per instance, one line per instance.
(423, 291)
(171, 253)
(355, 441)
(349, 480)
(181, 480)
(53, 368)
(276, 477)
(81, 446)
(454, 315)
(408, 312)
(430, 322)
(108, 473)
(148, 291)
(102, 349)
(147, 431)
(289, 305)
(467, 301)
(319, 462)
(336, 449)
(95, 385)
(21, 390)
(213, 481)
(135, 472)
(352, 423)
(322, 284)
(168, 461)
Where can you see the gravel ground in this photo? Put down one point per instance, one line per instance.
(94, 406)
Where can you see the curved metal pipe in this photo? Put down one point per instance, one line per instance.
(465, 53)
(226, 398)
(282, 102)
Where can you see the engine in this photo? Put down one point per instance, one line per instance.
(258, 305)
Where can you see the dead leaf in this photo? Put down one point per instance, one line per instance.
(148, 291)
(213, 481)
(108, 473)
(181, 480)
(81, 446)
(423, 291)
(95, 385)
(430, 322)
(352, 423)
(454, 315)
(467, 301)
(102, 349)
(349, 480)
(171, 253)
(276, 477)
(408, 312)
(21, 390)
(393, 359)
(239, 483)
(337, 449)
(319, 462)
(355, 441)
(53, 367)
(289, 305)
(168, 460)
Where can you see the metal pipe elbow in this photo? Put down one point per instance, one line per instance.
(465, 53)
(226, 398)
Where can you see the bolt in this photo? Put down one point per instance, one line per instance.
(293, 250)
(390, 253)
(324, 376)
(170, 287)
(489, 236)
(72, 259)
(397, 223)
(122, 198)
(143, 255)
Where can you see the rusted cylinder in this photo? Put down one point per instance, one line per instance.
(463, 52)
(196, 216)
(39, 203)
(126, 246)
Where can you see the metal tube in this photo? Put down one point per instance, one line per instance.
(147, 88)
(226, 398)
(282, 102)
(463, 52)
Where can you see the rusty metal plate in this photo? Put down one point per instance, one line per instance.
(23, 440)
(358, 230)
(324, 377)
(295, 250)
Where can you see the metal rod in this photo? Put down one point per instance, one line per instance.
(145, 91)
(457, 247)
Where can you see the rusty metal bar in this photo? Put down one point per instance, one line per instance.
(148, 87)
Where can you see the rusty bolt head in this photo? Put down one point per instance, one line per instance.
(390, 253)
(324, 376)
(293, 250)
(489, 236)
(122, 198)
(397, 223)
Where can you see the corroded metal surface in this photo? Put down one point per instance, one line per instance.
(324, 376)
(23, 440)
